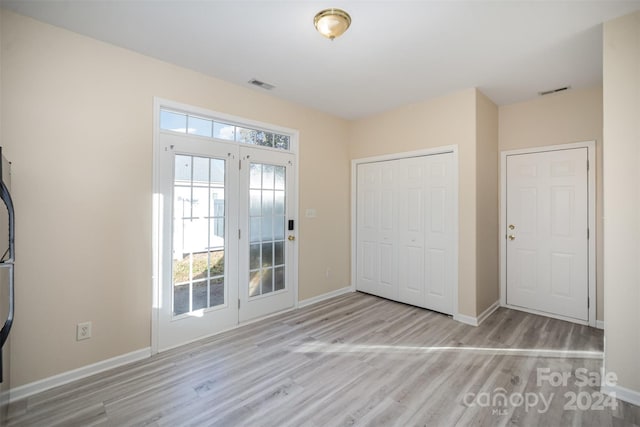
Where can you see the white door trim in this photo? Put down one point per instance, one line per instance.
(156, 219)
(591, 176)
(453, 149)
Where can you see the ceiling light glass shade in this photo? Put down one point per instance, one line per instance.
(332, 23)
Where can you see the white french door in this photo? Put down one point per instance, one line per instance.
(266, 241)
(199, 276)
(226, 252)
(547, 221)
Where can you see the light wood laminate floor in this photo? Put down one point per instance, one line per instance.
(352, 360)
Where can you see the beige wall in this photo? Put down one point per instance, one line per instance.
(621, 86)
(449, 120)
(487, 250)
(78, 128)
(561, 118)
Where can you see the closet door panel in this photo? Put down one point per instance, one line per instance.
(367, 220)
(411, 230)
(439, 235)
(376, 230)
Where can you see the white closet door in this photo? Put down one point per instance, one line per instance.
(412, 218)
(405, 230)
(439, 237)
(377, 230)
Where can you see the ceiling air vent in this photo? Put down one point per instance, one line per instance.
(549, 92)
(263, 85)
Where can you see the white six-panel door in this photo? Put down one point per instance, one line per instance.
(405, 231)
(547, 251)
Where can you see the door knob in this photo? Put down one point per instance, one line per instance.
(512, 227)
(512, 237)
(292, 238)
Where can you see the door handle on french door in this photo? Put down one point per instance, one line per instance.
(291, 238)
(512, 237)
(512, 227)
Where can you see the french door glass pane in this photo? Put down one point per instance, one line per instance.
(266, 228)
(198, 275)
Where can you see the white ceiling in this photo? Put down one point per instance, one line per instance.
(396, 52)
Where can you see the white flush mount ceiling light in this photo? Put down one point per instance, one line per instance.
(332, 23)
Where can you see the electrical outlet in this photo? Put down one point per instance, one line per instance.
(83, 331)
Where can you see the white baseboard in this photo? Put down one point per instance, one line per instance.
(600, 324)
(622, 393)
(27, 390)
(476, 321)
(323, 297)
(468, 320)
(488, 312)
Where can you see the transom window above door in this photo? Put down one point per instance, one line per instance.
(175, 121)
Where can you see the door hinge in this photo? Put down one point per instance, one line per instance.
(588, 302)
(238, 303)
(588, 234)
(587, 165)
(239, 234)
(239, 164)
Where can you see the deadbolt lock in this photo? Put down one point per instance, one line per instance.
(512, 227)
